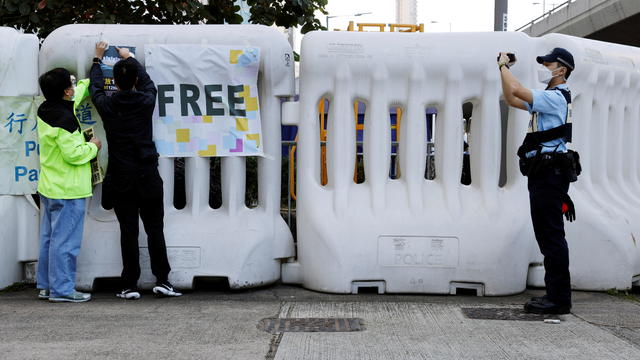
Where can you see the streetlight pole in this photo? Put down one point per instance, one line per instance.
(500, 15)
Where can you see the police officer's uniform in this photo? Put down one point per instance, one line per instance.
(551, 109)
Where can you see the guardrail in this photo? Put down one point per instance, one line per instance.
(546, 14)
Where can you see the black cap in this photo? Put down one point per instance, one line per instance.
(558, 55)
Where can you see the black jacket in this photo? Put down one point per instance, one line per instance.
(126, 116)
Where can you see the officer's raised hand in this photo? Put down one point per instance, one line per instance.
(505, 58)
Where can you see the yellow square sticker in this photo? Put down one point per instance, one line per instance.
(182, 135)
(242, 124)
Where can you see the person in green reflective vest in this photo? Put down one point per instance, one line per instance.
(64, 186)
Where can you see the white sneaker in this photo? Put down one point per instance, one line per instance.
(74, 297)
(129, 294)
(165, 289)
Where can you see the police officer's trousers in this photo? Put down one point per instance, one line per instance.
(545, 197)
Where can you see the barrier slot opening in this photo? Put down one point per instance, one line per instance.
(359, 111)
(215, 183)
(504, 127)
(430, 168)
(467, 112)
(251, 188)
(179, 191)
(395, 121)
(323, 118)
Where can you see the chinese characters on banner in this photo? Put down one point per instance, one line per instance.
(91, 122)
(85, 114)
(207, 100)
(19, 150)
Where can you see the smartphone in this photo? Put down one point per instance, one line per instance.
(512, 57)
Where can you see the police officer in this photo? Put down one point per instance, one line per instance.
(542, 158)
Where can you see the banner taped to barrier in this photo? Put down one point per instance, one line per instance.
(19, 150)
(207, 100)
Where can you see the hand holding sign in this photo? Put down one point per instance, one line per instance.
(96, 141)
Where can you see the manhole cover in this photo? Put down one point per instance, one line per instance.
(278, 325)
(504, 314)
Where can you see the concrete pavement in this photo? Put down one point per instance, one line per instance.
(224, 325)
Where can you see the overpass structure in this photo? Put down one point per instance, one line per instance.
(606, 20)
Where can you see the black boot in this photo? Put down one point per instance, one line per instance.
(546, 306)
(539, 298)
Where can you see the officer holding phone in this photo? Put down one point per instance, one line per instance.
(550, 167)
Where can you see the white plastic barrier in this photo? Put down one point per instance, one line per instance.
(605, 243)
(245, 245)
(437, 236)
(18, 214)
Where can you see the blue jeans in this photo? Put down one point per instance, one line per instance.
(61, 227)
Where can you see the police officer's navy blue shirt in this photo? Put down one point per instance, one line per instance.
(551, 107)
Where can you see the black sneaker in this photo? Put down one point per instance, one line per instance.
(129, 294)
(539, 298)
(546, 306)
(165, 288)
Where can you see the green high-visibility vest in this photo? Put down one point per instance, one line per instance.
(65, 172)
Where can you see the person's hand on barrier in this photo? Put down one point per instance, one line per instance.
(96, 141)
(568, 208)
(124, 52)
(101, 47)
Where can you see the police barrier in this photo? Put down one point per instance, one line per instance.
(18, 213)
(603, 245)
(243, 244)
(422, 235)
(408, 234)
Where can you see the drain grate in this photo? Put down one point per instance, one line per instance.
(517, 314)
(279, 325)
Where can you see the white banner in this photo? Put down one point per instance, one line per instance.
(19, 144)
(19, 150)
(207, 100)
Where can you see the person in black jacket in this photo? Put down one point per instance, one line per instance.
(132, 180)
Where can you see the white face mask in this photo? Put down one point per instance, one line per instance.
(545, 75)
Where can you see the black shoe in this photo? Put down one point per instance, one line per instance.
(546, 306)
(165, 288)
(539, 298)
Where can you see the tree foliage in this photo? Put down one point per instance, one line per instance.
(44, 16)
